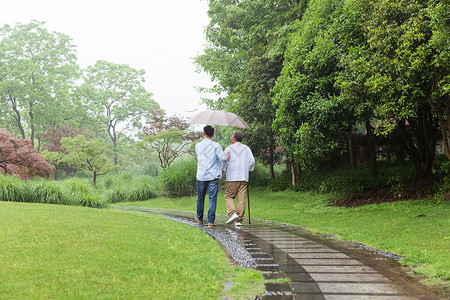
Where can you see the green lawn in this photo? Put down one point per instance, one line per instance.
(65, 252)
(423, 241)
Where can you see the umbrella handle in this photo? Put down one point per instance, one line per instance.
(248, 197)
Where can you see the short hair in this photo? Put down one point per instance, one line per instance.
(208, 130)
(239, 136)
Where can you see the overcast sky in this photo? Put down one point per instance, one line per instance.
(159, 36)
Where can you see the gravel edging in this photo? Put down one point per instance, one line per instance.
(239, 254)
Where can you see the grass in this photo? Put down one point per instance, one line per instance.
(67, 252)
(394, 227)
(72, 191)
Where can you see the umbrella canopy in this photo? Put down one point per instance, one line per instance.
(218, 117)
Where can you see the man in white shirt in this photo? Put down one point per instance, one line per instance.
(241, 162)
(209, 157)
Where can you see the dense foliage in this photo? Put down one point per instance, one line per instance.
(313, 76)
(17, 157)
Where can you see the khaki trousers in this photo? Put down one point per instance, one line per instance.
(236, 189)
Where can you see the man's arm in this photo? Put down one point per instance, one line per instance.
(220, 154)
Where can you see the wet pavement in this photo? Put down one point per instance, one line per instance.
(317, 266)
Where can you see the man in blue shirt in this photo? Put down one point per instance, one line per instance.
(209, 157)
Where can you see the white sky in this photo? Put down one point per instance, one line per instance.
(159, 36)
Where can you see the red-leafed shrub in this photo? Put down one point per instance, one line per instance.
(17, 157)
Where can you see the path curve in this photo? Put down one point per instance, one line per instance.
(318, 267)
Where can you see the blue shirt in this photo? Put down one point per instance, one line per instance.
(209, 157)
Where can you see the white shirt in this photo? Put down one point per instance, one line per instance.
(209, 157)
(240, 164)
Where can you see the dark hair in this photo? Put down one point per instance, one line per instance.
(208, 130)
(239, 136)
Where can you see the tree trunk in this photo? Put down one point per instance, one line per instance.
(95, 177)
(271, 156)
(372, 149)
(445, 129)
(351, 152)
(295, 172)
(18, 117)
(30, 113)
(419, 138)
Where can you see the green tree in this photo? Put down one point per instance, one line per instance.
(37, 73)
(115, 96)
(80, 152)
(408, 69)
(168, 137)
(244, 54)
(310, 117)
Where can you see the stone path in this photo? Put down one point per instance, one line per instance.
(317, 267)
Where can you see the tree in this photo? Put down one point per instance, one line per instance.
(310, 117)
(168, 137)
(244, 53)
(440, 24)
(54, 135)
(37, 73)
(91, 155)
(408, 71)
(116, 97)
(17, 157)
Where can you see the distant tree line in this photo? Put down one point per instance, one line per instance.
(77, 118)
(324, 77)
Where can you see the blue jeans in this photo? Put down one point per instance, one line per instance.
(212, 187)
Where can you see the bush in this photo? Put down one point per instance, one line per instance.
(180, 178)
(281, 182)
(442, 185)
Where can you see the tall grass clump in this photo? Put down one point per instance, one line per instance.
(50, 192)
(83, 193)
(117, 194)
(14, 189)
(143, 188)
(137, 189)
(180, 178)
(149, 168)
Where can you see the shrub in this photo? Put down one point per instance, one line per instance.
(180, 178)
(281, 182)
(442, 185)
